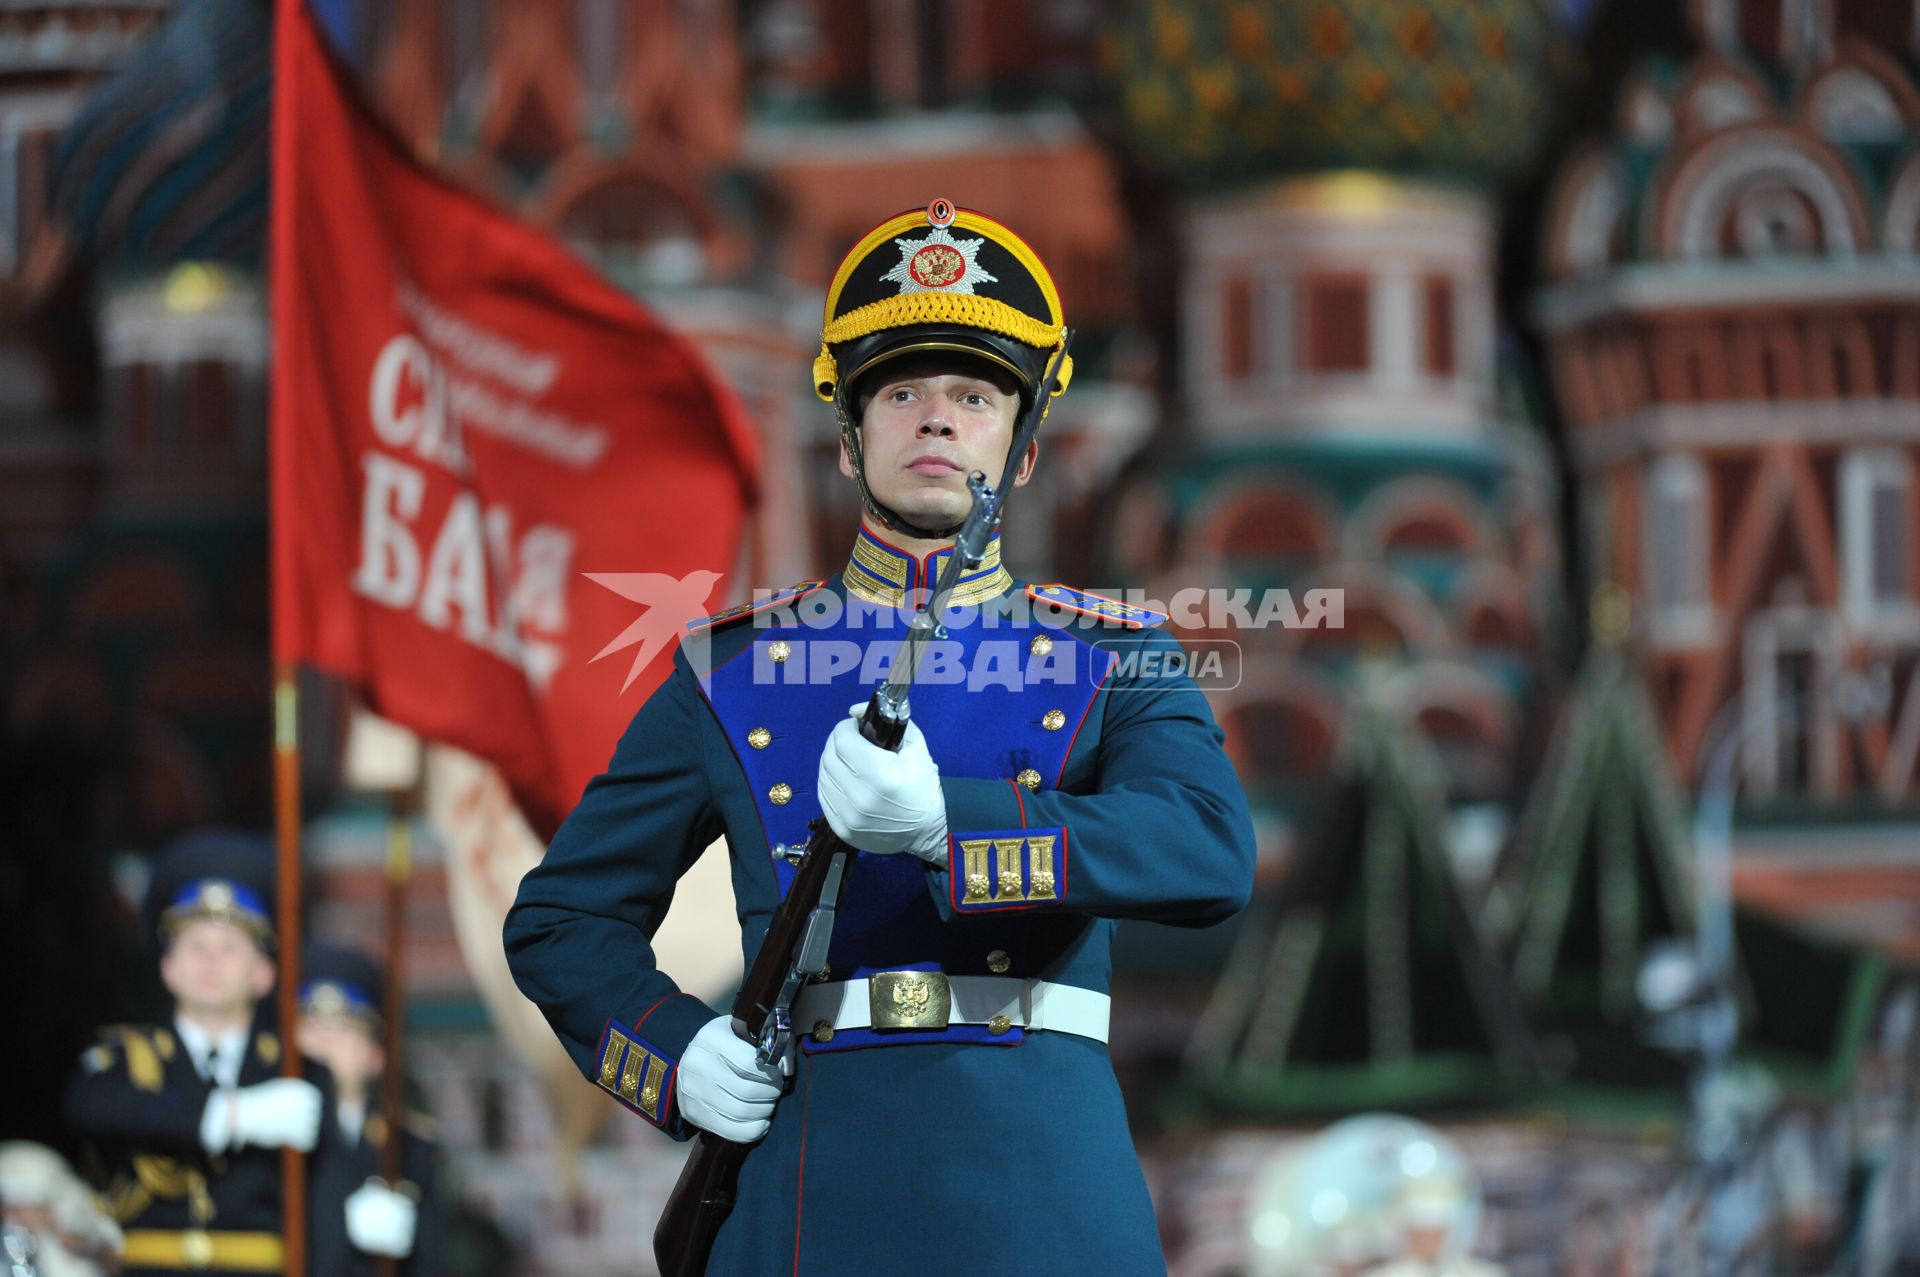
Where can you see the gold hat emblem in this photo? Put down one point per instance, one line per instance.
(936, 266)
(940, 261)
(328, 999)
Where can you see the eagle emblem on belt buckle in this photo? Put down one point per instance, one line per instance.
(909, 1000)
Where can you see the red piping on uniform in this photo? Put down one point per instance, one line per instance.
(649, 1011)
(1063, 864)
(1083, 717)
(800, 1183)
(1020, 799)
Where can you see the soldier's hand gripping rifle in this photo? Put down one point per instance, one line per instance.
(795, 948)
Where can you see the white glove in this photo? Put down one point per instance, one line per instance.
(278, 1114)
(380, 1221)
(723, 1088)
(882, 801)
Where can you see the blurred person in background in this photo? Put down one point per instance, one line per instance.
(189, 1118)
(341, 1026)
(50, 1225)
(1431, 1214)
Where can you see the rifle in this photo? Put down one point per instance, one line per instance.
(794, 950)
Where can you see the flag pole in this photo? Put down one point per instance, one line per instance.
(402, 804)
(286, 787)
(282, 201)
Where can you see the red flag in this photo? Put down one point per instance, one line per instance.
(465, 421)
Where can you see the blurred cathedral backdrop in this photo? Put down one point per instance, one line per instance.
(1578, 344)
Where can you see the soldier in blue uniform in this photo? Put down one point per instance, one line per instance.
(190, 1117)
(952, 1107)
(342, 1027)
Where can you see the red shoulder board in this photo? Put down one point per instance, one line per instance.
(1112, 611)
(773, 599)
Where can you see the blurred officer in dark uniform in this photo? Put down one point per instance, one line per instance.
(953, 1109)
(341, 996)
(190, 1117)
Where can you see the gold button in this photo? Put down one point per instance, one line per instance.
(1041, 645)
(778, 651)
(196, 1248)
(1030, 778)
(1054, 720)
(998, 962)
(823, 1031)
(782, 794)
(999, 1024)
(759, 738)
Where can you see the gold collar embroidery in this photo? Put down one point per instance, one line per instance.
(880, 573)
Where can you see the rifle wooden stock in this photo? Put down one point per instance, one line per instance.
(701, 1201)
(703, 1196)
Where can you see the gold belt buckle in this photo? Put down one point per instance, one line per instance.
(909, 999)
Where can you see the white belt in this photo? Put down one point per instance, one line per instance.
(997, 1001)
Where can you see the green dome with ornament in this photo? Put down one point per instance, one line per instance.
(1222, 93)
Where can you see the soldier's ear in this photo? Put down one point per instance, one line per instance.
(846, 462)
(167, 969)
(1027, 463)
(263, 976)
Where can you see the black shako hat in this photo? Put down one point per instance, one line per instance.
(939, 279)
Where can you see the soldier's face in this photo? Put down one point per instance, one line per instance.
(925, 425)
(214, 968)
(347, 1049)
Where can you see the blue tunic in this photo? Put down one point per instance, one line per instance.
(1084, 781)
